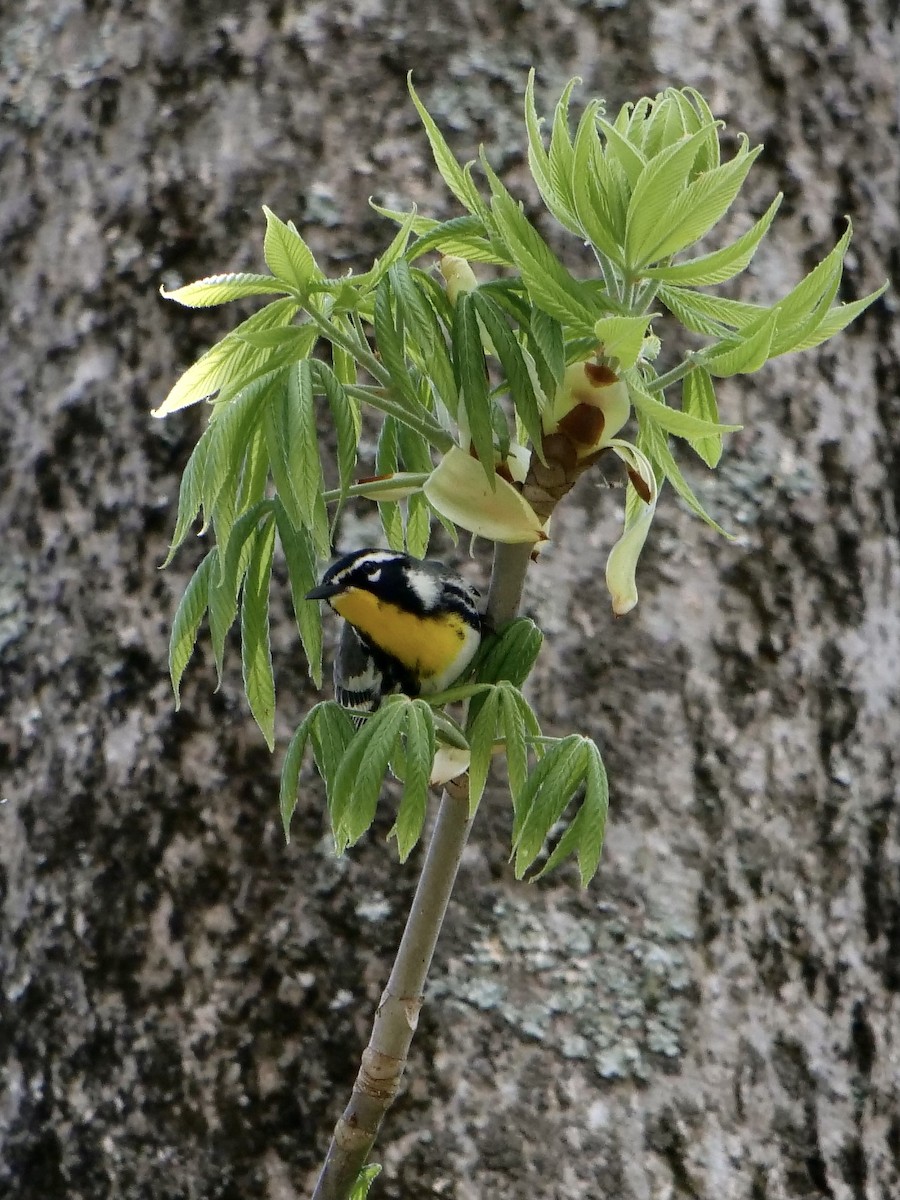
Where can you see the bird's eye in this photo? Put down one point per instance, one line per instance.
(373, 574)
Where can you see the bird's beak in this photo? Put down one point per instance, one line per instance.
(325, 591)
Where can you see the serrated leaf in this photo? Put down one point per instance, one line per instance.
(834, 321)
(234, 558)
(584, 837)
(672, 420)
(302, 577)
(547, 792)
(699, 207)
(361, 771)
(654, 444)
(332, 732)
(745, 356)
(518, 378)
(623, 337)
(231, 431)
(481, 733)
(187, 620)
(721, 264)
(510, 653)
(619, 148)
(561, 155)
(420, 748)
(228, 360)
(280, 420)
(456, 179)
(547, 339)
(287, 255)
(290, 773)
(256, 652)
(698, 399)
(597, 214)
(347, 422)
(303, 461)
(539, 162)
(418, 525)
(389, 335)
(653, 210)
(190, 493)
(387, 462)
(395, 251)
(514, 735)
(294, 348)
(471, 375)
(465, 237)
(364, 1181)
(219, 289)
(549, 284)
(712, 315)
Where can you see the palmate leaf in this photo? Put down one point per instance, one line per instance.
(515, 730)
(481, 733)
(190, 493)
(231, 430)
(560, 159)
(672, 420)
(330, 730)
(834, 321)
(225, 584)
(601, 218)
(519, 381)
(623, 337)
(715, 316)
(622, 151)
(220, 289)
(256, 651)
(654, 443)
(347, 421)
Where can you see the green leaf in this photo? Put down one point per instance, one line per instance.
(514, 733)
(303, 462)
(655, 445)
(744, 356)
(332, 732)
(833, 322)
(387, 462)
(234, 559)
(424, 332)
(584, 836)
(682, 424)
(539, 162)
(456, 179)
(471, 374)
(394, 252)
(598, 214)
(547, 340)
(698, 207)
(698, 399)
(549, 284)
(545, 797)
(389, 335)
(518, 378)
(290, 773)
(187, 620)
(227, 361)
(623, 337)
(287, 255)
(219, 289)
(231, 432)
(256, 652)
(347, 421)
(653, 212)
(359, 776)
(561, 157)
(301, 564)
(418, 525)
(190, 493)
(420, 747)
(509, 654)
(712, 315)
(481, 733)
(623, 152)
(364, 1181)
(293, 348)
(465, 237)
(721, 264)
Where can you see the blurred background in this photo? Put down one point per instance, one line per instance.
(183, 998)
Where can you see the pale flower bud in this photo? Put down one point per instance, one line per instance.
(590, 406)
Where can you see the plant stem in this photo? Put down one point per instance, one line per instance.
(384, 1059)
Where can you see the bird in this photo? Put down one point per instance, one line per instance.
(410, 625)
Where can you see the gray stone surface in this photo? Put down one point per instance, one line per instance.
(183, 998)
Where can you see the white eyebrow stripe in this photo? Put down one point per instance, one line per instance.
(425, 586)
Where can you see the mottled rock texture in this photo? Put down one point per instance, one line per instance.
(184, 999)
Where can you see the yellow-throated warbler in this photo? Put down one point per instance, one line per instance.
(409, 624)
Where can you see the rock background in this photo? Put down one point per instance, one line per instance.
(184, 999)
